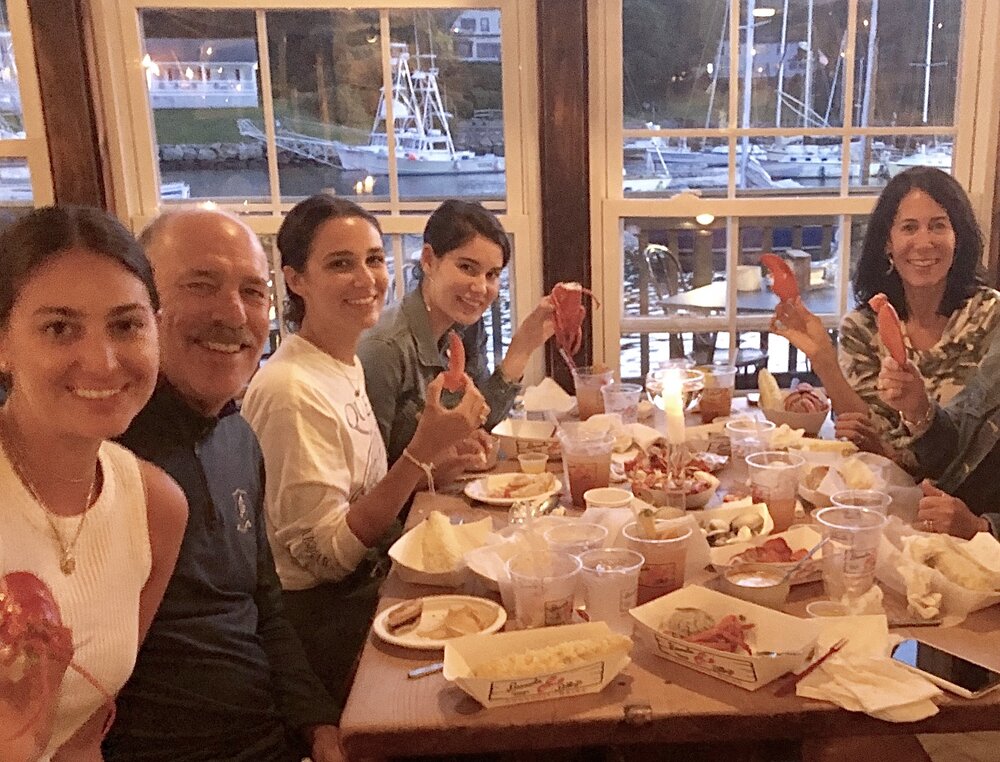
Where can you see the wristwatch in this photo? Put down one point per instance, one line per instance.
(919, 427)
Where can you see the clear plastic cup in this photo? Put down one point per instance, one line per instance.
(607, 497)
(610, 580)
(663, 568)
(543, 585)
(717, 396)
(774, 479)
(850, 555)
(622, 399)
(533, 462)
(586, 456)
(746, 437)
(576, 537)
(588, 381)
(862, 498)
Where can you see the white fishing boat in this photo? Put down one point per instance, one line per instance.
(935, 156)
(423, 142)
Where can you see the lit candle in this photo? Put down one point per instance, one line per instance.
(673, 406)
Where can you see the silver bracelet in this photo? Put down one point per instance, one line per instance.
(427, 468)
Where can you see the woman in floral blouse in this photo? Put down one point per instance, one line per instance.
(922, 250)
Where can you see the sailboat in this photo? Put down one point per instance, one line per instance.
(424, 145)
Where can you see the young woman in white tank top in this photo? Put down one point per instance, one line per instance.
(83, 523)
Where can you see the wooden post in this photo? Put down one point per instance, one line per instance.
(71, 126)
(565, 168)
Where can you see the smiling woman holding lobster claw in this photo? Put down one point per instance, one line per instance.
(465, 250)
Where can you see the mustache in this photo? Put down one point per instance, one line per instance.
(224, 334)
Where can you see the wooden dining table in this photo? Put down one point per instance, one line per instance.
(653, 701)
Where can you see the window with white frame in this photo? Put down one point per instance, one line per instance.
(730, 128)
(253, 106)
(25, 175)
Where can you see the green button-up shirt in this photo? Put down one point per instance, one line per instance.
(400, 357)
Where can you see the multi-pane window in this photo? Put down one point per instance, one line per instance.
(764, 125)
(254, 107)
(25, 177)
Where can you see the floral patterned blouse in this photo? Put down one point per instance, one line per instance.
(945, 366)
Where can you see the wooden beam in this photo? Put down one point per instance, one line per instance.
(58, 30)
(993, 245)
(563, 140)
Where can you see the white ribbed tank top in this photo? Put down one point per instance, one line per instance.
(99, 601)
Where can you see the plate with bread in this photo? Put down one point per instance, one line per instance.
(506, 489)
(428, 623)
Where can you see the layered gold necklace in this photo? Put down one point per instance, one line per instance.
(67, 554)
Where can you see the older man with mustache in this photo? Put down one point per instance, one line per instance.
(222, 675)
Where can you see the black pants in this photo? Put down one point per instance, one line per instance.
(333, 619)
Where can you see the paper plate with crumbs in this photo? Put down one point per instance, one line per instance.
(428, 623)
(506, 489)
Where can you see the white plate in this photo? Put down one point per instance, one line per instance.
(435, 608)
(478, 490)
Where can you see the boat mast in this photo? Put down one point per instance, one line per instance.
(715, 69)
(747, 88)
(807, 90)
(781, 65)
(927, 57)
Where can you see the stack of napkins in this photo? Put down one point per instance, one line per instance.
(862, 678)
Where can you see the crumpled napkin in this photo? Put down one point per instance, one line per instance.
(865, 470)
(862, 678)
(784, 437)
(644, 435)
(547, 395)
(930, 593)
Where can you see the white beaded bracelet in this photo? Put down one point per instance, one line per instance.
(427, 468)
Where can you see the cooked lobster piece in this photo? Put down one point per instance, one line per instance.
(32, 637)
(728, 634)
(569, 312)
(454, 377)
(784, 283)
(890, 329)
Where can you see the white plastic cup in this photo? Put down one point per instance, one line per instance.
(851, 552)
(746, 437)
(664, 560)
(544, 585)
(610, 579)
(717, 396)
(588, 381)
(576, 537)
(622, 399)
(862, 498)
(774, 479)
(586, 458)
(607, 497)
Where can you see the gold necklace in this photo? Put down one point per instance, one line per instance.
(67, 559)
(341, 371)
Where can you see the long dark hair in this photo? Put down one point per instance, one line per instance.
(455, 223)
(43, 234)
(295, 237)
(871, 276)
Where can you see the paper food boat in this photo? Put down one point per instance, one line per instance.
(790, 637)
(463, 655)
(729, 511)
(518, 436)
(407, 552)
(798, 537)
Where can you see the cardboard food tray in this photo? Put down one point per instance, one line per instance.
(519, 436)
(463, 655)
(789, 636)
(798, 537)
